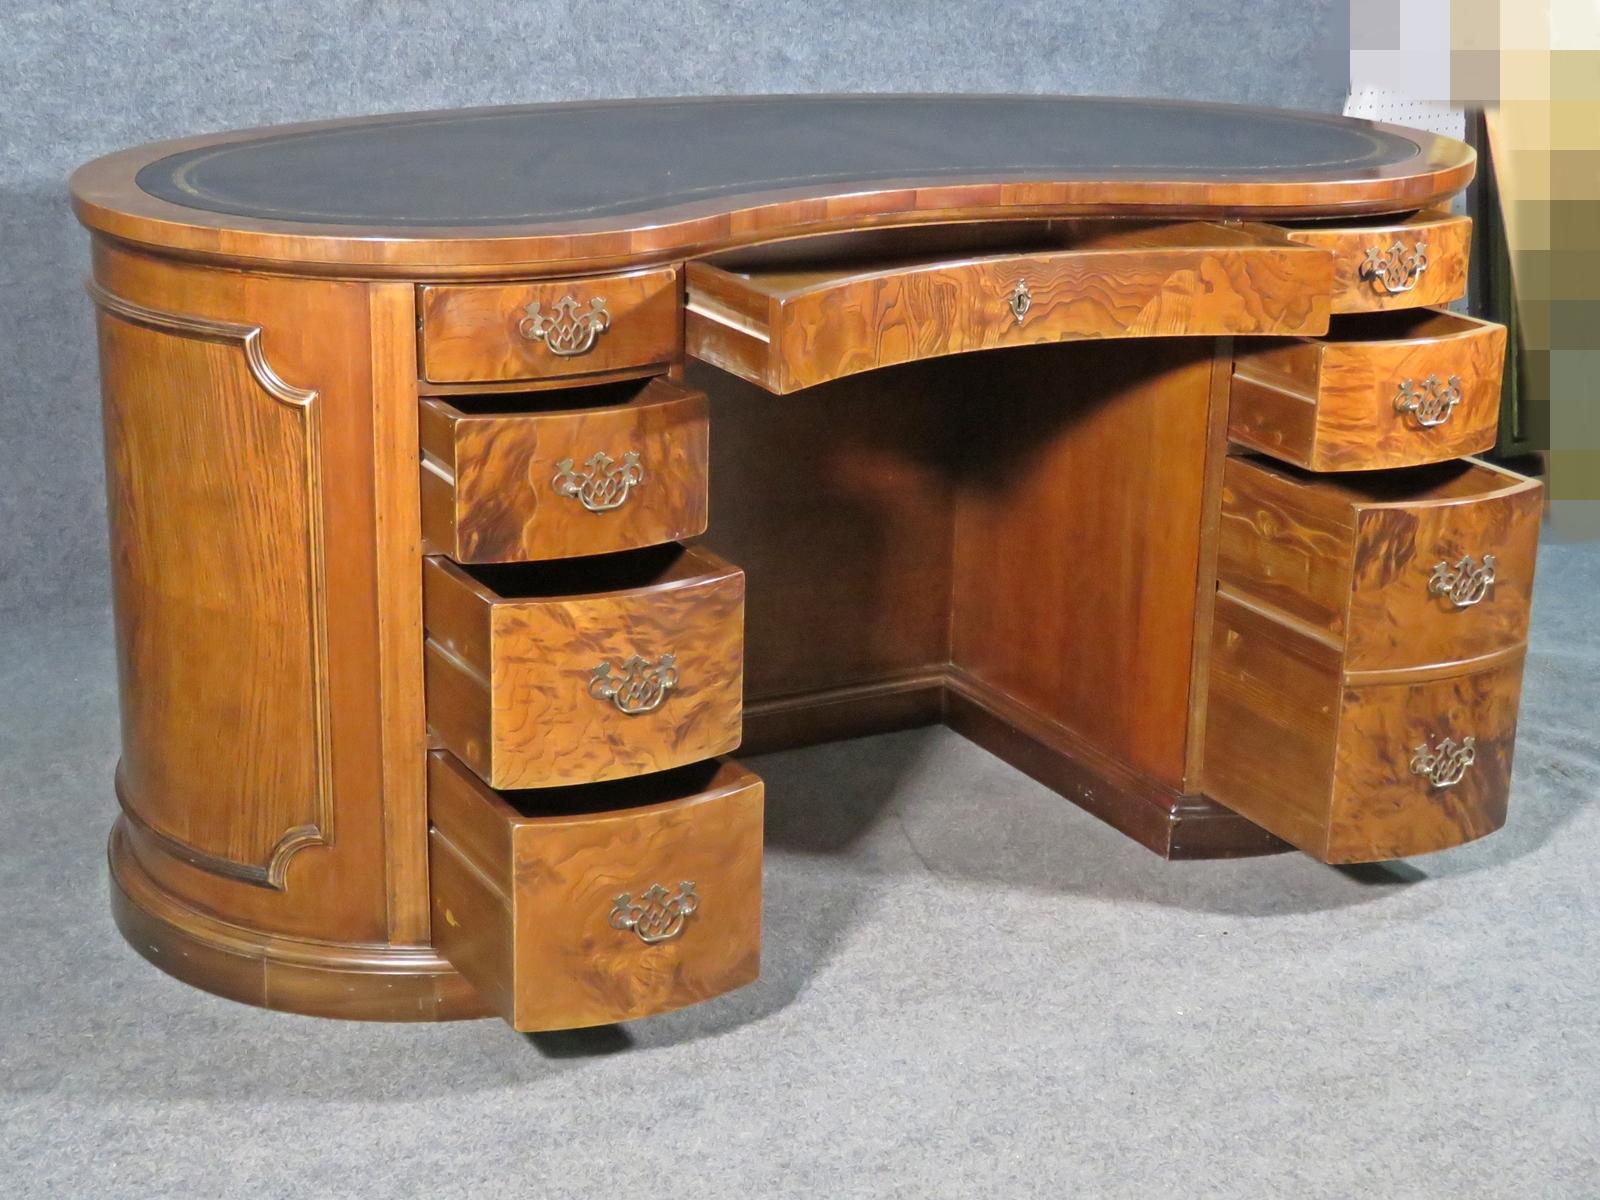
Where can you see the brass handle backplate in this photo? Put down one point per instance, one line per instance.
(657, 915)
(568, 331)
(603, 484)
(638, 686)
(1444, 765)
(1464, 582)
(1397, 269)
(1430, 403)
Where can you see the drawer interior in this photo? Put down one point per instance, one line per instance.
(1366, 220)
(1402, 325)
(788, 268)
(568, 399)
(633, 570)
(1458, 480)
(555, 805)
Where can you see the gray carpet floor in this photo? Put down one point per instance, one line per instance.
(971, 988)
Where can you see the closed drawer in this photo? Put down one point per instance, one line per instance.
(1383, 263)
(1354, 767)
(603, 325)
(546, 674)
(1374, 392)
(799, 314)
(1399, 569)
(585, 906)
(626, 469)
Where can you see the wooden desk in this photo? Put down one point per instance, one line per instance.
(479, 481)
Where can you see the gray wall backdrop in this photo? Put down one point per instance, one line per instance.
(79, 79)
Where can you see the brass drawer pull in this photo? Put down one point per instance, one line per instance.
(1020, 300)
(1444, 765)
(1463, 583)
(657, 916)
(638, 686)
(1430, 404)
(568, 331)
(1395, 270)
(603, 484)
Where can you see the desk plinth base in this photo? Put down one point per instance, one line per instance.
(320, 979)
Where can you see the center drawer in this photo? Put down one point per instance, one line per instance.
(545, 674)
(793, 315)
(582, 906)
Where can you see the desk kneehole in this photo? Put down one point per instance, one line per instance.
(569, 907)
(1366, 655)
(548, 674)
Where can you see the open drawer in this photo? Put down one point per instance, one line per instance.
(599, 327)
(581, 670)
(1393, 262)
(603, 469)
(588, 905)
(800, 313)
(1375, 391)
(1366, 653)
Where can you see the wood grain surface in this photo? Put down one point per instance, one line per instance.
(223, 608)
(1380, 808)
(1353, 556)
(524, 892)
(235, 743)
(789, 325)
(1272, 722)
(512, 654)
(1334, 658)
(1076, 555)
(1329, 403)
(492, 476)
(475, 332)
(1447, 238)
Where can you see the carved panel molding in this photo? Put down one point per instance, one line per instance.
(230, 767)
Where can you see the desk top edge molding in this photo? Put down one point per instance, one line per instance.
(108, 198)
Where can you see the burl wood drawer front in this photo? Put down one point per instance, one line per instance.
(609, 324)
(1401, 568)
(1376, 391)
(626, 470)
(585, 906)
(1383, 264)
(544, 674)
(1354, 767)
(779, 320)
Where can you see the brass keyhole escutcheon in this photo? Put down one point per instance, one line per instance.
(1021, 300)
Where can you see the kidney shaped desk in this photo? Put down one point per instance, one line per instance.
(480, 481)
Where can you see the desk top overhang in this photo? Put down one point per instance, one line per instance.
(551, 188)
